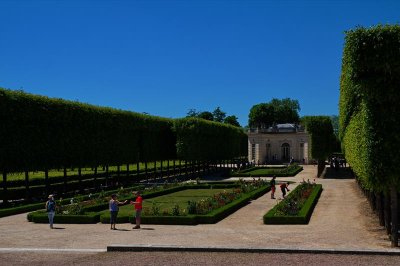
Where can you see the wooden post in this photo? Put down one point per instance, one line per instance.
(95, 178)
(80, 179)
(106, 176)
(155, 170)
(161, 169)
(394, 210)
(118, 175)
(387, 213)
(137, 170)
(5, 196)
(27, 192)
(46, 181)
(145, 170)
(168, 168)
(65, 180)
(379, 208)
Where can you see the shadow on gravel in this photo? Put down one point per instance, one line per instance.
(141, 228)
(340, 173)
(59, 228)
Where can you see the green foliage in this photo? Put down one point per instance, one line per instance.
(369, 104)
(202, 140)
(276, 111)
(322, 137)
(176, 210)
(206, 115)
(218, 115)
(291, 170)
(40, 133)
(289, 211)
(232, 120)
(41, 217)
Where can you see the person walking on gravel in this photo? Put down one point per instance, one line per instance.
(272, 183)
(284, 188)
(138, 209)
(51, 209)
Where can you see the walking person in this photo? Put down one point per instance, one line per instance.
(138, 209)
(273, 183)
(51, 209)
(284, 188)
(114, 208)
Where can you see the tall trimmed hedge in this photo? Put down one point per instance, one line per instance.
(322, 138)
(39, 133)
(369, 104)
(370, 109)
(199, 139)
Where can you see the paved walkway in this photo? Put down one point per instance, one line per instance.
(341, 220)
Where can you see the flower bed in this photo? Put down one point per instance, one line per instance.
(205, 211)
(297, 207)
(291, 170)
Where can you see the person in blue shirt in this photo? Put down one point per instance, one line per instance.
(113, 206)
(51, 210)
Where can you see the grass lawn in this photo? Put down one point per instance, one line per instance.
(167, 202)
(89, 171)
(269, 171)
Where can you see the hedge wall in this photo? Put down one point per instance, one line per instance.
(40, 133)
(199, 139)
(370, 115)
(369, 104)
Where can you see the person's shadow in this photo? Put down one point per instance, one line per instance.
(59, 228)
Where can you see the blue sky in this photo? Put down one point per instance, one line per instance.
(166, 57)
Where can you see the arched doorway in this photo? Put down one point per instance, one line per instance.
(285, 152)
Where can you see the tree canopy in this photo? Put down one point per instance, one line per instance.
(232, 120)
(217, 116)
(274, 112)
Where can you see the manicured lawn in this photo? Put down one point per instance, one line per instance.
(167, 202)
(291, 170)
(89, 171)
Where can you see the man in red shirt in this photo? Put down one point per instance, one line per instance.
(138, 209)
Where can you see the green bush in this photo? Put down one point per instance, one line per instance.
(292, 170)
(41, 217)
(99, 214)
(40, 133)
(304, 215)
(21, 209)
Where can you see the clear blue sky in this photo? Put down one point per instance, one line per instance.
(166, 57)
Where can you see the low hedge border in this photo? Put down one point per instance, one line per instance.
(103, 216)
(102, 206)
(245, 174)
(41, 217)
(37, 206)
(304, 215)
(210, 218)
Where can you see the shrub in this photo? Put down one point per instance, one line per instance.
(293, 209)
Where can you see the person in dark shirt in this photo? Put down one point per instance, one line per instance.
(284, 188)
(272, 183)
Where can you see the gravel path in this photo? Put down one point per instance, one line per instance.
(342, 219)
(193, 259)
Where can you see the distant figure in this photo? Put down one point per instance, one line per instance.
(284, 188)
(113, 206)
(138, 209)
(51, 209)
(272, 183)
(291, 160)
